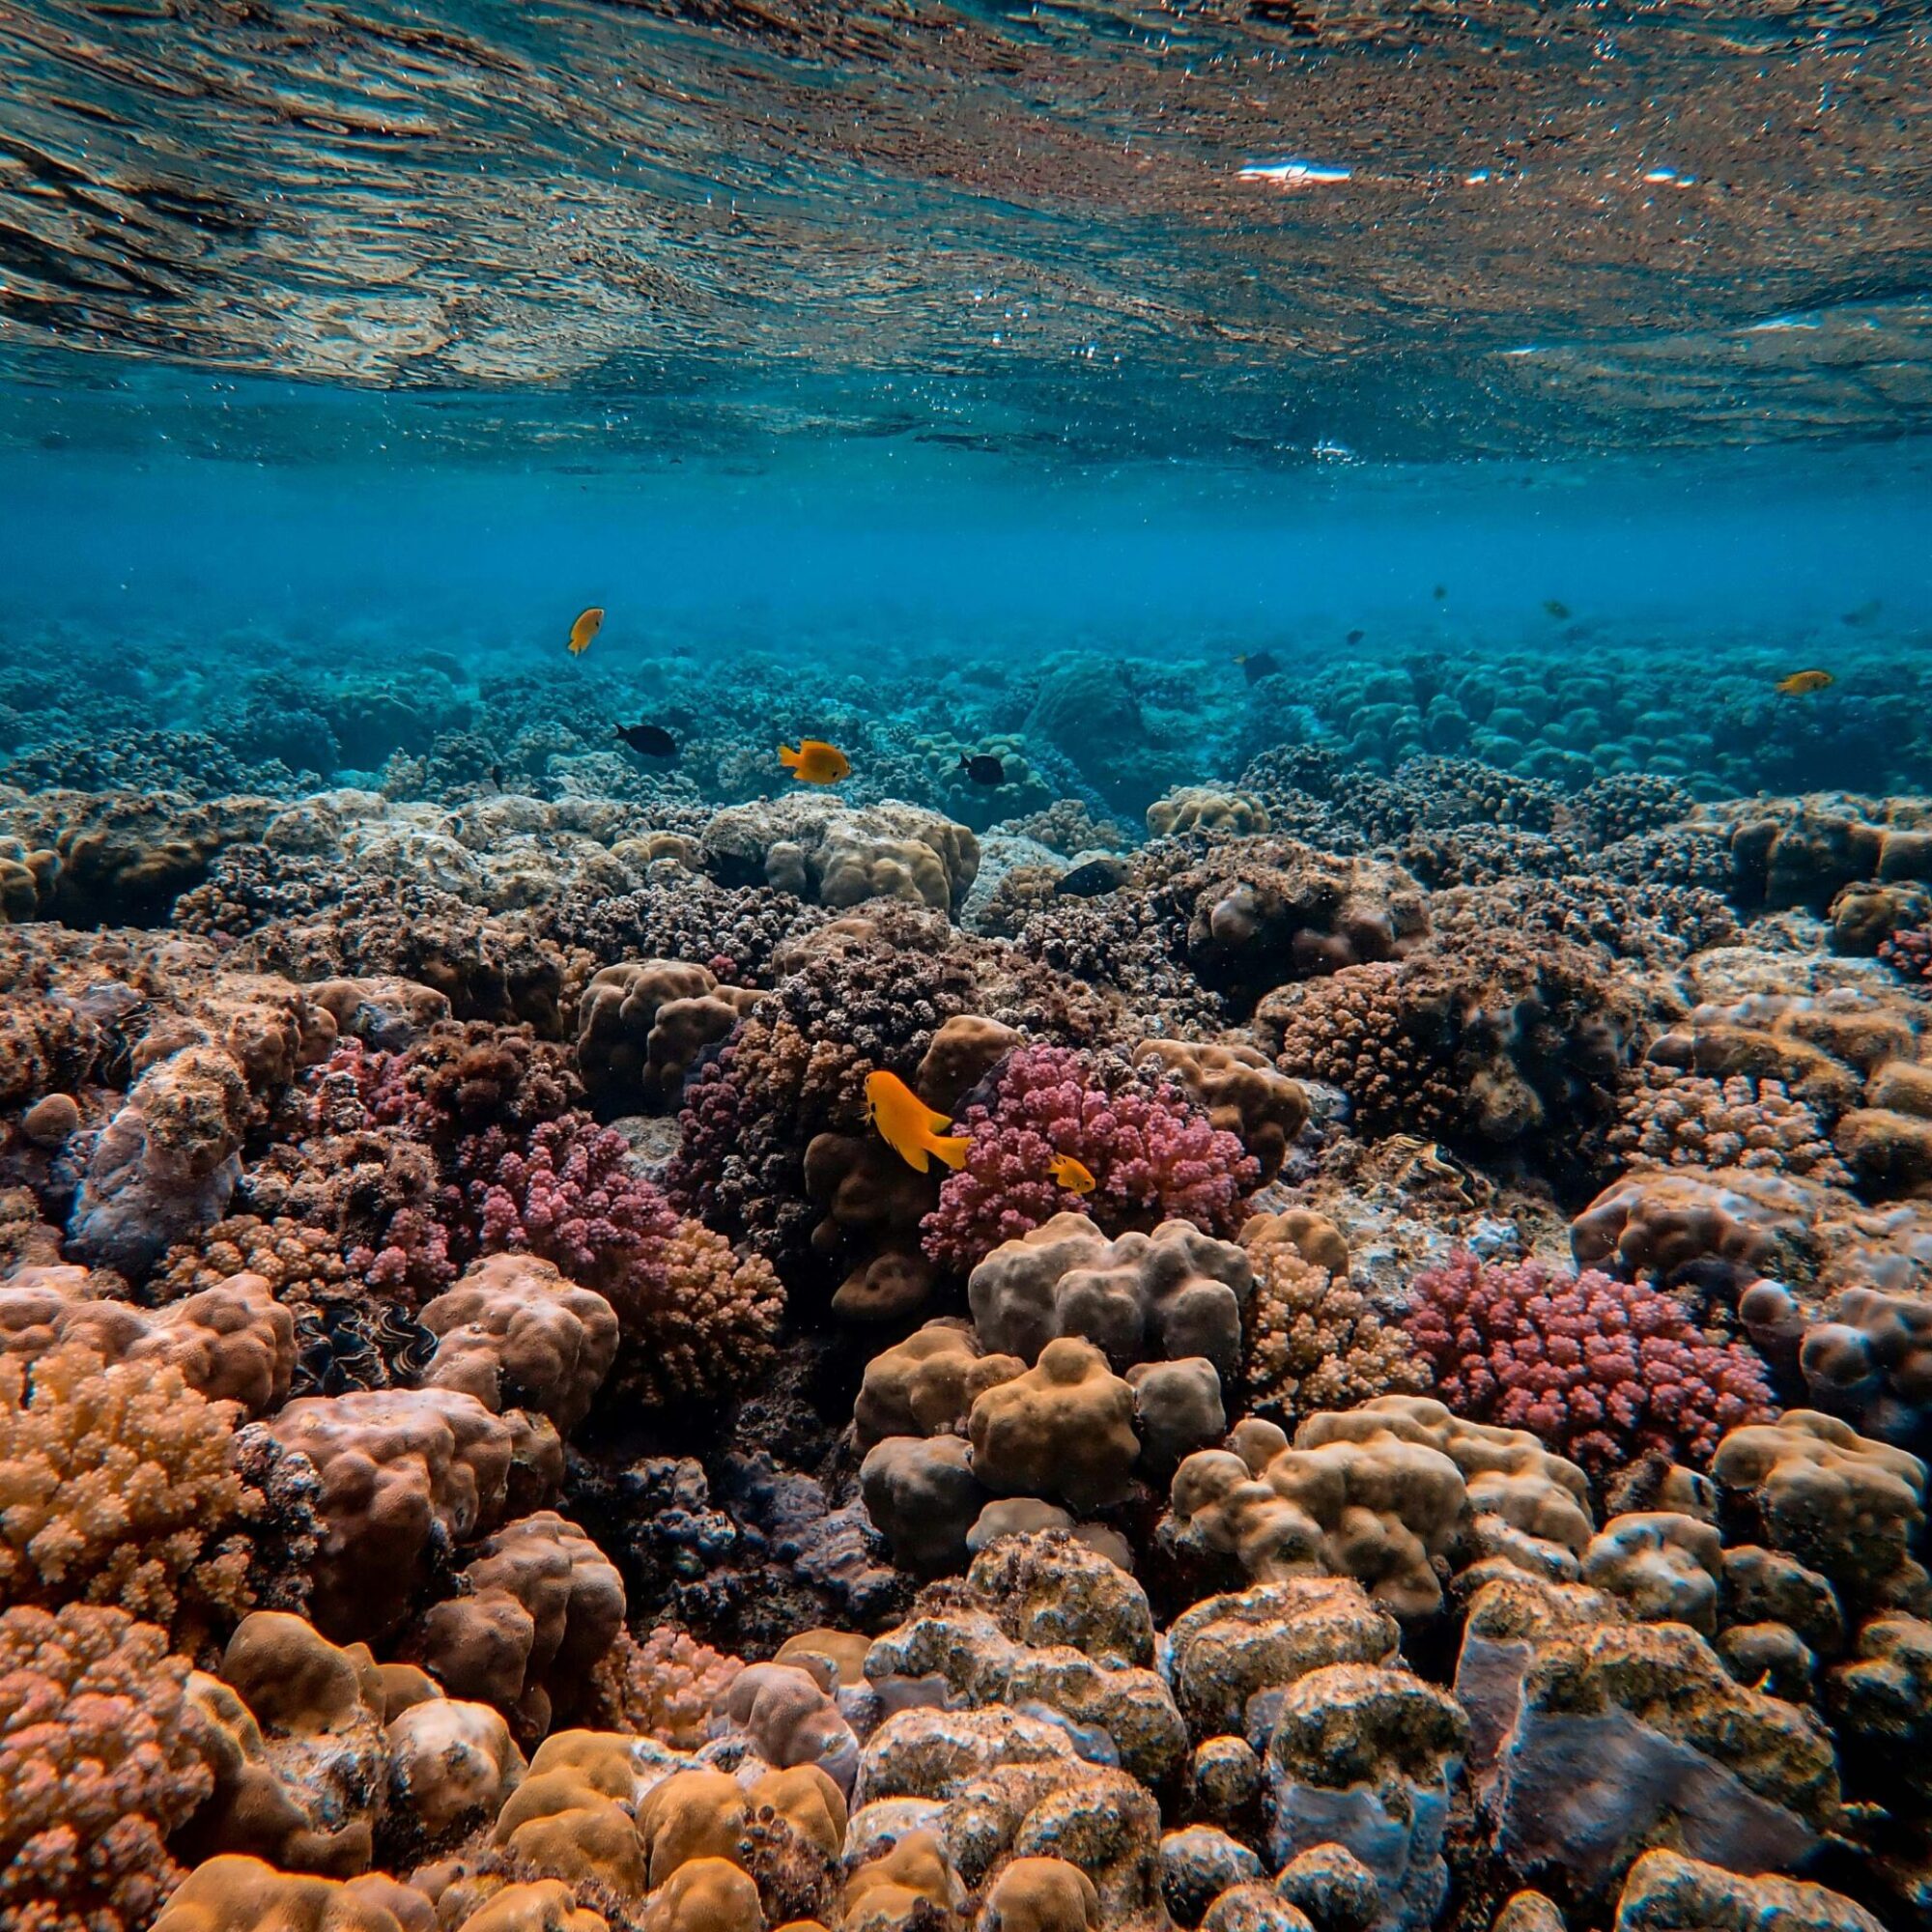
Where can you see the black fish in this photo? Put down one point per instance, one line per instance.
(648, 741)
(1090, 880)
(496, 776)
(1356, 637)
(982, 768)
(1258, 665)
(1440, 591)
(1555, 607)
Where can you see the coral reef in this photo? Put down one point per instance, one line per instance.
(491, 1437)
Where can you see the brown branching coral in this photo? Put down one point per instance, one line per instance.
(1315, 1342)
(101, 1759)
(116, 1487)
(1685, 1120)
(1489, 1041)
(715, 1328)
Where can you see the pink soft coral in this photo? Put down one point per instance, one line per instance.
(1602, 1370)
(1151, 1151)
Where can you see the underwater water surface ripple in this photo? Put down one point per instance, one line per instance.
(1242, 227)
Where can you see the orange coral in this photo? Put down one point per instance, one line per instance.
(99, 1760)
(115, 1483)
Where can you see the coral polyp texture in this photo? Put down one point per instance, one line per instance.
(1397, 1397)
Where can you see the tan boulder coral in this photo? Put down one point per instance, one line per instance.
(516, 1333)
(1681, 1754)
(1177, 1409)
(1176, 1292)
(641, 1026)
(1226, 1656)
(1844, 1506)
(240, 1894)
(793, 1720)
(1881, 1703)
(403, 1472)
(538, 1607)
(1242, 1092)
(927, 1385)
(962, 1645)
(1385, 1494)
(1659, 1221)
(1663, 1567)
(1065, 1428)
(1365, 1756)
(965, 1049)
(1668, 1892)
(1042, 1895)
(537, 1905)
(299, 1759)
(1203, 809)
(708, 1895)
(573, 1814)
(923, 1498)
(232, 1342)
(882, 1894)
(872, 1206)
(823, 850)
(452, 1765)
(1870, 1359)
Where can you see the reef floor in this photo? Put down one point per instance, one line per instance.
(1382, 1385)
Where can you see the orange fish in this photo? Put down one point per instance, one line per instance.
(588, 623)
(1067, 1172)
(1802, 683)
(909, 1126)
(815, 762)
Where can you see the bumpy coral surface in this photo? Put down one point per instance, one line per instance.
(101, 1757)
(118, 1486)
(1601, 1369)
(1153, 1156)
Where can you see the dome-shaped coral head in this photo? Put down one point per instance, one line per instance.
(1153, 1154)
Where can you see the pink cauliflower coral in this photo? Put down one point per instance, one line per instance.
(569, 1198)
(1602, 1370)
(1153, 1152)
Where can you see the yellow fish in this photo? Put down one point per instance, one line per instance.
(1067, 1172)
(1802, 683)
(909, 1126)
(816, 763)
(588, 623)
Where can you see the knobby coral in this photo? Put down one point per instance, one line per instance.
(1602, 1370)
(1154, 1155)
(116, 1486)
(100, 1758)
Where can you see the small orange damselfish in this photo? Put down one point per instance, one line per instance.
(588, 623)
(1067, 1172)
(815, 762)
(909, 1126)
(1802, 683)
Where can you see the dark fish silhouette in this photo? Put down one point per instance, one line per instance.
(1356, 637)
(648, 741)
(982, 768)
(1090, 880)
(496, 776)
(1258, 665)
(1557, 608)
(1440, 591)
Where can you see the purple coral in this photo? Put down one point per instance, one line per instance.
(569, 1198)
(1153, 1152)
(1602, 1370)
